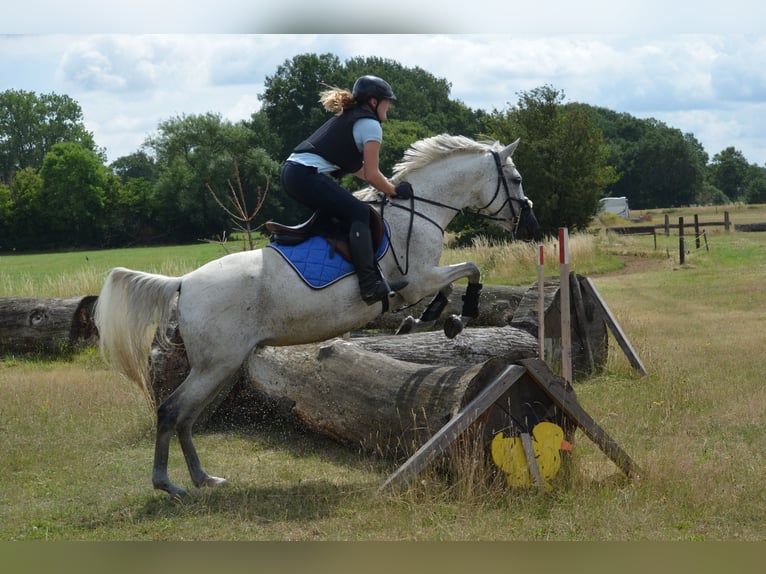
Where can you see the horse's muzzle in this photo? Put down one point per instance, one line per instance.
(528, 228)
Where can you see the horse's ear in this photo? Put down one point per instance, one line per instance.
(507, 151)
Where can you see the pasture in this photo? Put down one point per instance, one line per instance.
(77, 440)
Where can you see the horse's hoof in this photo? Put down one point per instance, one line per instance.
(177, 495)
(214, 482)
(453, 326)
(406, 326)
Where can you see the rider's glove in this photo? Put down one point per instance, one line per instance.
(403, 190)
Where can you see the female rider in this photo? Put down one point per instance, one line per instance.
(349, 142)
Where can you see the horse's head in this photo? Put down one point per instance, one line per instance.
(508, 206)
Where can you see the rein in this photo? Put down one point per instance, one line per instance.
(501, 181)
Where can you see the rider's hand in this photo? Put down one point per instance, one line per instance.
(403, 190)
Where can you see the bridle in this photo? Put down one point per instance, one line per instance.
(501, 183)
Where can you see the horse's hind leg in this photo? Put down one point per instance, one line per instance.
(429, 315)
(178, 414)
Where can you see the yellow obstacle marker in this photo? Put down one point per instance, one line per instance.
(547, 443)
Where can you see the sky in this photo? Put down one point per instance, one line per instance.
(696, 66)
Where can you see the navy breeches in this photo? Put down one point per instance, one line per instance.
(323, 194)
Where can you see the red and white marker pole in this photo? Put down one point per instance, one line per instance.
(566, 327)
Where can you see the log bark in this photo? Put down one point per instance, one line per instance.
(470, 347)
(45, 324)
(364, 398)
(252, 402)
(497, 304)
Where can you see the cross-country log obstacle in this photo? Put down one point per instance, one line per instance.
(45, 325)
(390, 393)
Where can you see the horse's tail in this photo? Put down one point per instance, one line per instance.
(133, 306)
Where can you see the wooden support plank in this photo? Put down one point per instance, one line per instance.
(534, 469)
(581, 320)
(562, 394)
(614, 327)
(444, 437)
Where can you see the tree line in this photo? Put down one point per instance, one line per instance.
(57, 191)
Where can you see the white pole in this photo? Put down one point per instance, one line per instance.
(541, 302)
(566, 327)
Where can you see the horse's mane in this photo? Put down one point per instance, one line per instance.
(427, 150)
(424, 151)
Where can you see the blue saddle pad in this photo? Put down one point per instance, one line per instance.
(316, 262)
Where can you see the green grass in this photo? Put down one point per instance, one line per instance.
(78, 440)
(82, 272)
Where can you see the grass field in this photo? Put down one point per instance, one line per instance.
(77, 440)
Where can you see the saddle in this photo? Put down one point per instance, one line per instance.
(331, 230)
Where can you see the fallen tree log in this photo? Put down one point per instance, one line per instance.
(497, 304)
(45, 325)
(252, 402)
(364, 398)
(470, 347)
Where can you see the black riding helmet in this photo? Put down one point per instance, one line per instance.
(368, 87)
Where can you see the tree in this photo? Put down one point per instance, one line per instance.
(562, 157)
(73, 196)
(756, 184)
(138, 165)
(729, 172)
(657, 166)
(23, 210)
(30, 125)
(291, 97)
(193, 152)
(666, 170)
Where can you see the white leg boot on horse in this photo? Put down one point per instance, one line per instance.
(371, 284)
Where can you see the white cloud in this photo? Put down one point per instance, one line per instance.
(710, 85)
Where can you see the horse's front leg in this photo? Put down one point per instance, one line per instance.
(443, 276)
(454, 325)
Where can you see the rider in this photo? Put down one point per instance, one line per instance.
(349, 142)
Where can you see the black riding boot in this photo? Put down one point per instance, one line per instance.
(371, 285)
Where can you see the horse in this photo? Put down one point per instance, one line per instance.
(234, 305)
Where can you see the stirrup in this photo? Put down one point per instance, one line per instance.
(389, 290)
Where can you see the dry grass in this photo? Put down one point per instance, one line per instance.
(77, 441)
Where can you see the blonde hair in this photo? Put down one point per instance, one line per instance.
(337, 100)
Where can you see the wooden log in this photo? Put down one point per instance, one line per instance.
(45, 324)
(251, 404)
(589, 340)
(470, 347)
(363, 398)
(491, 393)
(497, 304)
(750, 226)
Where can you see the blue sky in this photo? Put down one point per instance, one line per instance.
(699, 67)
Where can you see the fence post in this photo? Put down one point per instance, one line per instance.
(696, 231)
(681, 248)
(726, 222)
(667, 225)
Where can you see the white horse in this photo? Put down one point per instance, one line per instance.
(242, 301)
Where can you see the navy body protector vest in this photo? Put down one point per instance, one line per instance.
(334, 141)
